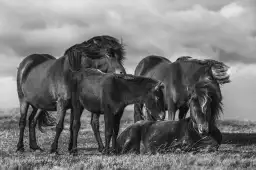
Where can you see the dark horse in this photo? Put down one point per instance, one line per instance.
(178, 76)
(47, 83)
(108, 94)
(187, 134)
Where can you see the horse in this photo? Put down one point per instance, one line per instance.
(47, 84)
(178, 76)
(189, 134)
(108, 94)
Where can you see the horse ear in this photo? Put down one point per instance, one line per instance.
(74, 59)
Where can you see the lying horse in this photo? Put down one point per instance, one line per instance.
(178, 76)
(108, 94)
(47, 84)
(188, 134)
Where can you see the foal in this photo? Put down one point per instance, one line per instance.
(108, 94)
(198, 131)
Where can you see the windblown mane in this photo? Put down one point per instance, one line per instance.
(218, 69)
(84, 49)
(137, 79)
(206, 89)
(110, 43)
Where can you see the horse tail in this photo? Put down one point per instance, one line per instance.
(23, 70)
(45, 119)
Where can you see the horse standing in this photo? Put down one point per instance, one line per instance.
(178, 76)
(198, 132)
(47, 83)
(108, 94)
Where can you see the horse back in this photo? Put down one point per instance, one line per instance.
(149, 64)
(92, 84)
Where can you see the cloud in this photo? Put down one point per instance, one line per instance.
(146, 26)
(9, 97)
(224, 30)
(238, 96)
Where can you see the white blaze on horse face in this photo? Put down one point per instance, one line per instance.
(200, 128)
(100, 71)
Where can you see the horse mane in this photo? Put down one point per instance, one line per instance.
(111, 43)
(86, 50)
(218, 69)
(209, 62)
(207, 89)
(133, 78)
(184, 58)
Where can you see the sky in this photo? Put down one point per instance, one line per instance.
(223, 30)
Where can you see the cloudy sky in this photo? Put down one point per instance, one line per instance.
(224, 30)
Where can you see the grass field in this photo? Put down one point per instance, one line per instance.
(238, 150)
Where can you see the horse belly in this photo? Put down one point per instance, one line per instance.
(91, 103)
(166, 134)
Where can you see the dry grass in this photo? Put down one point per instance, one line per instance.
(237, 151)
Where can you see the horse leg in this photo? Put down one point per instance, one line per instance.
(70, 145)
(32, 125)
(22, 124)
(77, 112)
(117, 119)
(171, 109)
(150, 148)
(59, 127)
(95, 127)
(138, 112)
(216, 135)
(109, 126)
(183, 112)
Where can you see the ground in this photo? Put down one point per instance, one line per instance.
(238, 150)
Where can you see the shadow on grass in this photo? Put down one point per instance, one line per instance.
(239, 138)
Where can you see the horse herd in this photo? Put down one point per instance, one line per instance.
(91, 76)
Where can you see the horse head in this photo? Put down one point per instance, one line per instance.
(205, 104)
(102, 52)
(154, 104)
(114, 53)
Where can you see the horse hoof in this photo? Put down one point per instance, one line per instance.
(100, 149)
(73, 152)
(54, 151)
(21, 150)
(113, 151)
(37, 149)
(105, 152)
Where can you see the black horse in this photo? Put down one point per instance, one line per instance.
(47, 83)
(108, 94)
(178, 76)
(198, 132)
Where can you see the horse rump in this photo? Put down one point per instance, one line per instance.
(130, 139)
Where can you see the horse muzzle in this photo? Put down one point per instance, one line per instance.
(203, 129)
(120, 71)
(162, 116)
